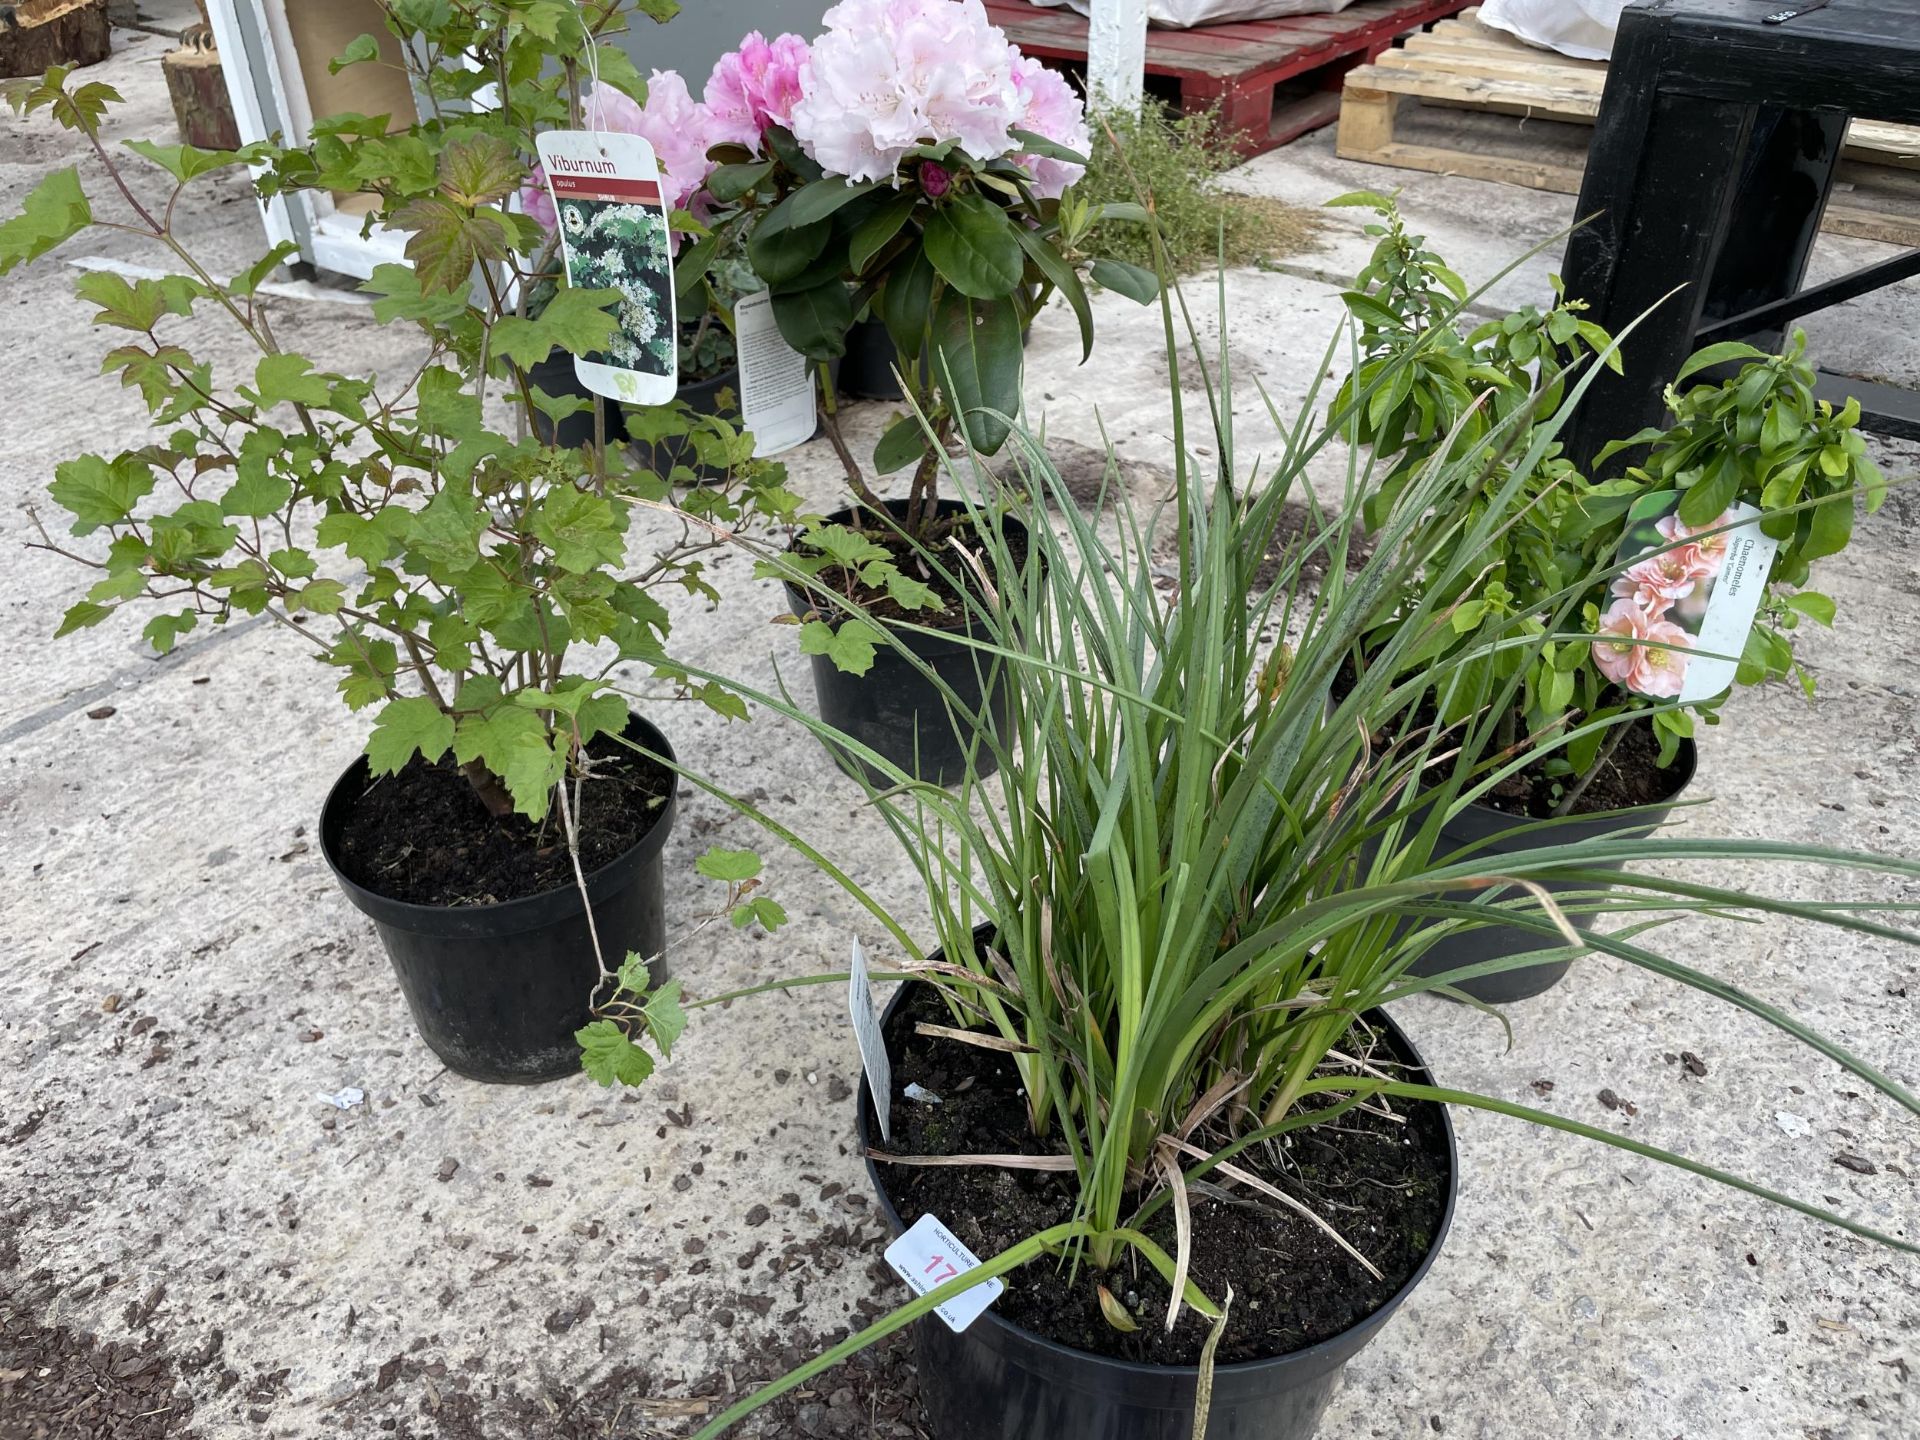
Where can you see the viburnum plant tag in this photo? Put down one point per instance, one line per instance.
(1693, 588)
(614, 235)
(776, 382)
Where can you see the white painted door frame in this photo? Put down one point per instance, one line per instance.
(269, 97)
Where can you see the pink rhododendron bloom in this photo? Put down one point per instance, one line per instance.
(1656, 582)
(1705, 556)
(889, 75)
(1055, 113)
(1623, 658)
(754, 87)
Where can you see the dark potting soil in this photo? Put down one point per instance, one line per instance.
(1630, 776)
(423, 835)
(878, 605)
(1381, 1183)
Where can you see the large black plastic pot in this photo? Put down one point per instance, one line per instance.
(556, 376)
(1497, 829)
(998, 1381)
(866, 370)
(703, 397)
(898, 712)
(497, 991)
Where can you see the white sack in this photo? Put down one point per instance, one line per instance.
(1185, 14)
(1580, 28)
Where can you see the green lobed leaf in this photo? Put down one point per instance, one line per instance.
(184, 162)
(55, 210)
(609, 1057)
(360, 49)
(404, 726)
(449, 240)
(851, 647)
(97, 492)
(730, 866)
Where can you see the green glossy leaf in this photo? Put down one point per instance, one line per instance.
(1723, 353)
(1813, 605)
(727, 183)
(876, 232)
(904, 442)
(780, 251)
(815, 321)
(1829, 528)
(972, 245)
(906, 305)
(1134, 282)
(978, 362)
(816, 202)
(1063, 278)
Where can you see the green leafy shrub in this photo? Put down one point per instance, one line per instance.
(1174, 162)
(450, 573)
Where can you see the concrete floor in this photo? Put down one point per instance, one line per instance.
(165, 1167)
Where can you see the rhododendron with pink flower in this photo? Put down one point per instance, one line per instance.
(1650, 670)
(755, 87)
(890, 75)
(1053, 112)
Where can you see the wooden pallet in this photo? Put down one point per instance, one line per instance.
(1271, 80)
(1445, 103)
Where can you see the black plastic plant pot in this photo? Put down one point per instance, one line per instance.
(703, 397)
(897, 711)
(1494, 833)
(556, 376)
(497, 991)
(998, 1381)
(866, 370)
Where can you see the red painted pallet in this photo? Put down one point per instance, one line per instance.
(1272, 80)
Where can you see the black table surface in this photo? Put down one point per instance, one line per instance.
(1858, 56)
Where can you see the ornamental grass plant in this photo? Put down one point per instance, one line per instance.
(1195, 871)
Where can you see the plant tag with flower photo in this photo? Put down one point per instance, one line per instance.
(928, 1256)
(776, 380)
(614, 236)
(873, 1048)
(1694, 588)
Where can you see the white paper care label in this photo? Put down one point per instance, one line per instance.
(873, 1049)
(614, 236)
(1693, 592)
(928, 1256)
(776, 380)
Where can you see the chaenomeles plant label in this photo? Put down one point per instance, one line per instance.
(873, 1049)
(1694, 588)
(776, 380)
(928, 1256)
(614, 236)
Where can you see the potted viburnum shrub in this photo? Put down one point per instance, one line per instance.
(468, 586)
(909, 165)
(1143, 1075)
(1617, 571)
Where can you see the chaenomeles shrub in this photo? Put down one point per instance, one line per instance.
(1611, 652)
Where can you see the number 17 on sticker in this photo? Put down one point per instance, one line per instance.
(928, 1256)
